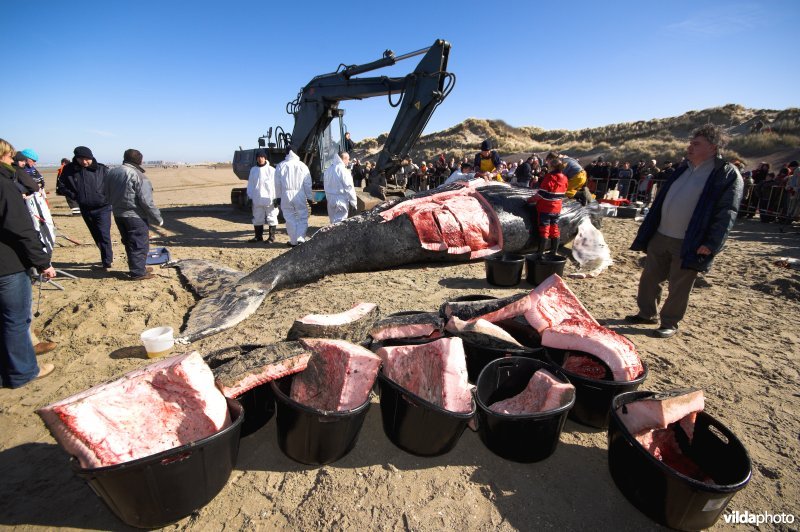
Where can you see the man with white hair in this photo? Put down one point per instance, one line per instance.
(339, 190)
(293, 191)
(685, 229)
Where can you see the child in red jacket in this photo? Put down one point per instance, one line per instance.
(552, 190)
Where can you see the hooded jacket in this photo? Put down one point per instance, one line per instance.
(20, 247)
(86, 186)
(711, 220)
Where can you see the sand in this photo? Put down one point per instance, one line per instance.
(738, 343)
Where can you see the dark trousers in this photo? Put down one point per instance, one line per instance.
(135, 236)
(98, 220)
(17, 359)
(663, 263)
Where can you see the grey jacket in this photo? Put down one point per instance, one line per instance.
(131, 194)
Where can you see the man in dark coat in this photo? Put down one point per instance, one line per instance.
(685, 229)
(83, 181)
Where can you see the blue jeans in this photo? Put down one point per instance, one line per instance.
(135, 235)
(17, 360)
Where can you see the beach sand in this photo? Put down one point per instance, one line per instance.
(739, 343)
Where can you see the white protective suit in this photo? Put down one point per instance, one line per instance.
(339, 190)
(261, 191)
(293, 187)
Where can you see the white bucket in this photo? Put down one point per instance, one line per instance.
(158, 341)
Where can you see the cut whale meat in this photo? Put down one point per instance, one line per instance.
(352, 325)
(661, 410)
(553, 302)
(436, 372)
(153, 409)
(490, 309)
(544, 392)
(660, 421)
(482, 333)
(339, 375)
(240, 372)
(613, 349)
(412, 325)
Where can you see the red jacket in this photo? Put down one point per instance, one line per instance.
(552, 189)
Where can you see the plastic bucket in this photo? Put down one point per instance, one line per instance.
(312, 436)
(479, 356)
(157, 490)
(259, 407)
(504, 269)
(593, 396)
(158, 341)
(662, 493)
(542, 267)
(524, 437)
(416, 425)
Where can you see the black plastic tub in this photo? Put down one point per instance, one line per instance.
(627, 212)
(259, 407)
(593, 396)
(524, 437)
(479, 356)
(504, 269)
(416, 425)
(157, 490)
(662, 493)
(540, 267)
(312, 436)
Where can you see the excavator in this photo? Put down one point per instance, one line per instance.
(317, 105)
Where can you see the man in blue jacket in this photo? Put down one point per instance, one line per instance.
(83, 181)
(685, 229)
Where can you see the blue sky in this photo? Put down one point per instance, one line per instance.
(191, 81)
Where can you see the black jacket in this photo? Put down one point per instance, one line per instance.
(711, 220)
(20, 247)
(86, 186)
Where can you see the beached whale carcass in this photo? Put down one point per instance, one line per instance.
(450, 224)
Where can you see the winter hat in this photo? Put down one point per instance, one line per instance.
(19, 157)
(132, 156)
(486, 145)
(30, 154)
(83, 152)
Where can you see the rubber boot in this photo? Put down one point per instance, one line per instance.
(259, 234)
(542, 244)
(271, 237)
(554, 246)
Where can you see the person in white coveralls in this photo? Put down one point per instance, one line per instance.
(293, 191)
(339, 190)
(261, 191)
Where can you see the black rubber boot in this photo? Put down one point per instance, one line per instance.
(271, 237)
(259, 234)
(554, 245)
(542, 244)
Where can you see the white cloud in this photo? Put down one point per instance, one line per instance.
(734, 19)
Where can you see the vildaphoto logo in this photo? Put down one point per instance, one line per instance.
(763, 518)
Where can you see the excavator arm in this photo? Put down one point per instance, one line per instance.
(419, 94)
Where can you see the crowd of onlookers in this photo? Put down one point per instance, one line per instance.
(773, 195)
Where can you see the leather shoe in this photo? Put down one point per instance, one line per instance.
(45, 370)
(665, 332)
(640, 320)
(44, 347)
(143, 277)
(148, 269)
